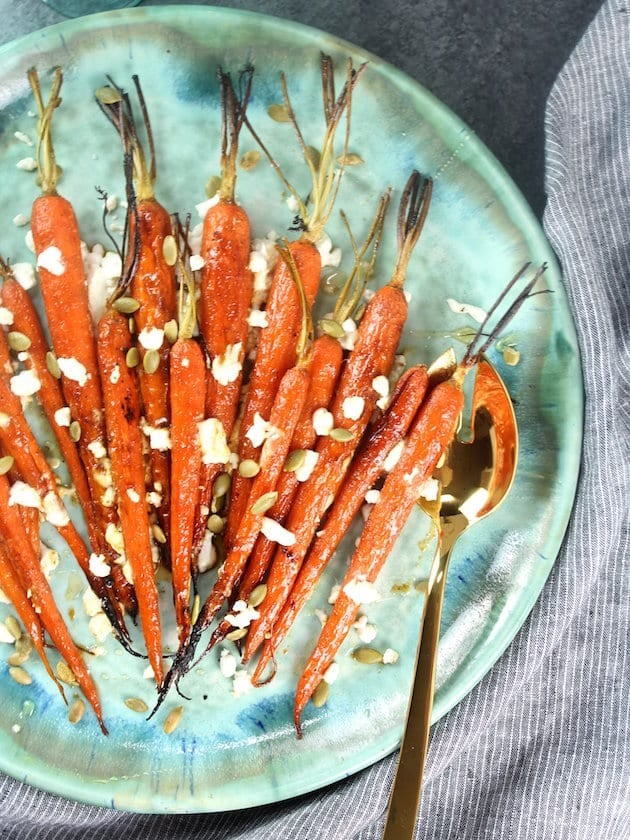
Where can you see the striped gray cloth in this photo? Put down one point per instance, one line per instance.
(540, 749)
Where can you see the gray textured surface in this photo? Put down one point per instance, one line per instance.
(491, 61)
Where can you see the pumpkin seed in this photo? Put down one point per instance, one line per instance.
(158, 534)
(169, 250)
(52, 366)
(151, 361)
(264, 502)
(171, 331)
(66, 674)
(136, 705)
(24, 645)
(295, 460)
(76, 711)
(511, 356)
(341, 435)
(235, 635)
(350, 159)
(108, 95)
(172, 720)
(19, 657)
(18, 341)
(213, 185)
(320, 695)
(75, 431)
(332, 328)
(131, 323)
(133, 357)
(250, 159)
(367, 656)
(13, 626)
(278, 111)
(20, 675)
(194, 613)
(248, 468)
(257, 596)
(126, 305)
(333, 280)
(312, 154)
(215, 523)
(221, 486)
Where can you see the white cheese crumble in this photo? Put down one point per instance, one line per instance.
(54, 511)
(24, 273)
(48, 561)
(390, 656)
(151, 338)
(257, 318)
(323, 421)
(304, 472)
(23, 138)
(241, 615)
(350, 333)
(203, 207)
(213, 442)
(63, 416)
(381, 386)
(5, 637)
(97, 448)
(260, 431)
(98, 566)
(262, 260)
(5, 420)
(51, 260)
(275, 532)
(103, 270)
(360, 590)
(207, 553)
(111, 203)
(334, 593)
(196, 262)
(226, 368)
(6, 317)
(23, 494)
(331, 673)
(20, 220)
(365, 631)
(27, 164)
(352, 407)
(329, 256)
(159, 438)
(241, 683)
(227, 663)
(133, 495)
(393, 456)
(372, 496)
(114, 538)
(100, 627)
(475, 312)
(114, 376)
(25, 383)
(73, 369)
(29, 242)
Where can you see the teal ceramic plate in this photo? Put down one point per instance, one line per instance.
(233, 752)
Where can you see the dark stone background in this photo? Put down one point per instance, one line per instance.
(492, 61)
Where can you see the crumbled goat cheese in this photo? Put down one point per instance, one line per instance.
(54, 511)
(330, 256)
(361, 591)
(27, 164)
(257, 318)
(213, 442)
(227, 367)
(48, 561)
(154, 499)
(227, 663)
(29, 242)
(20, 220)
(331, 673)
(98, 566)
(63, 416)
(5, 420)
(203, 207)
(114, 538)
(390, 656)
(23, 138)
(304, 472)
(207, 553)
(97, 448)
(429, 490)
(159, 438)
(262, 260)
(51, 260)
(24, 273)
(475, 312)
(241, 683)
(365, 631)
(241, 615)
(73, 369)
(23, 494)
(394, 456)
(103, 270)
(260, 431)
(114, 376)
(334, 593)
(100, 626)
(323, 421)
(133, 495)
(350, 333)
(381, 386)
(352, 407)
(111, 203)
(275, 532)
(151, 338)
(91, 603)
(6, 317)
(372, 496)
(321, 616)
(25, 383)
(197, 262)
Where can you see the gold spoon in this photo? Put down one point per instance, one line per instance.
(475, 477)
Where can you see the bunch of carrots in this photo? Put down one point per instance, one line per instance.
(182, 437)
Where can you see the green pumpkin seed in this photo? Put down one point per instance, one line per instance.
(136, 705)
(250, 159)
(341, 435)
(158, 534)
(171, 331)
(332, 328)
(236, 634)
(279, 112)
(52, 366)
(213, 185)
(367, 656)
(133, 357)
(20, 675)
(13, 626)
(320, 695)
(221, 486)
(295, 460)
(6, 462)
(215, 524)
(194, 613)
(257, 596)
(511, 356)
(350, 159)
(126, 305)
(75, 431)
(66, 674)
(264, 502)
(151, 361)
(169, 250)
(248, 468)
(18, 341)
(313, 155)
(108, 95)
(173, 719)
(131, 323)
(76, 711)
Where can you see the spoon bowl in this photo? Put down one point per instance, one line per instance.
(475, 476)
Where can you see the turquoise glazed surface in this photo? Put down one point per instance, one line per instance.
(233, 752)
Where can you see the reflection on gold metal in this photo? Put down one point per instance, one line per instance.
(475, 477)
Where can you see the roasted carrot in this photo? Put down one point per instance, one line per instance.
(151, 255)
(124, 440)
(64, 291)
(378, 336)
(366, 468)
(227, 285)
(188, 399)
(276, 347)
(41, 597)
(430, 435)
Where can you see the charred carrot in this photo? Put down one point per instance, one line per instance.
(64, 291)
(366, 469)
(42, 599)
(430, 435)
(276, 347)
(151, 256)
(124, 439)
(378, 336)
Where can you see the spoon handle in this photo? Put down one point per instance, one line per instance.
(405, 796)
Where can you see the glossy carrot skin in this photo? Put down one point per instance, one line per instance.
(366, 468)
(152, 284)
(373, 355)
(187, 394)
(41, 596)
(431, 433)
(124, 439)
(275, 354)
